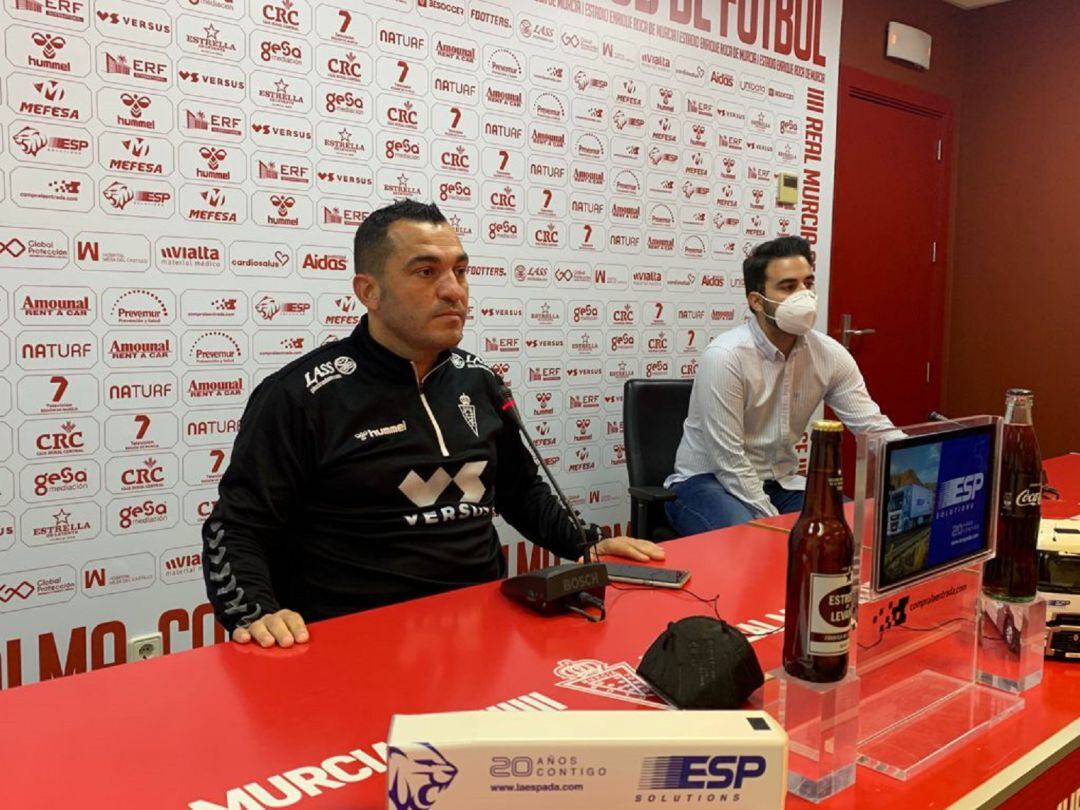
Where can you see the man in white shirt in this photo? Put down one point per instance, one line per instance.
(756, 389)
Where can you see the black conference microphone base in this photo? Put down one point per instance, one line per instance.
(573, 587)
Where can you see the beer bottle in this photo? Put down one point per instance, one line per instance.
(1012, 574)
(821, 551)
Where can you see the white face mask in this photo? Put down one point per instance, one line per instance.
(797, 313)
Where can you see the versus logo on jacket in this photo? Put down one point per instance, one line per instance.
(426, 492)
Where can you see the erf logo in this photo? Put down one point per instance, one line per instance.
(700, 772)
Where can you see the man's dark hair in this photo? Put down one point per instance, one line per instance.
(753, 267)
(371, 245)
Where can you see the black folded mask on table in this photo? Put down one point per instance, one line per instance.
(702, 663)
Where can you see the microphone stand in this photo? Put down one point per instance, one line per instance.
(572, 586)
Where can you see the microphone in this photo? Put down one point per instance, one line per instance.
(509, 407)
(571, 586)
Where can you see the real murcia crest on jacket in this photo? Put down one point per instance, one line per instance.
(328, 372)
(468, 411)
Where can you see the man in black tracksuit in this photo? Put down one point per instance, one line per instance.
(368, 471)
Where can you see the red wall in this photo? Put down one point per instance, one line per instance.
(1017, 258)
(862, 41)
(1010, 71)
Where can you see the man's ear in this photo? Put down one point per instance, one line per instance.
(752, 298)
(367, 290)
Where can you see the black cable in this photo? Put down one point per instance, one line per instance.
(881, 636)
(714, 602)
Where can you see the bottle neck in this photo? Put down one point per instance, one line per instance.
(824, 481)
(1018, 411)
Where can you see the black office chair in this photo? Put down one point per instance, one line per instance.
(653, 416)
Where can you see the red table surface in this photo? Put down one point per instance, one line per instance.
(166, 732)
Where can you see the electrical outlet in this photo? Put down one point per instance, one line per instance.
(149, 646)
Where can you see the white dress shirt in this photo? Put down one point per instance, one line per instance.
(750, 405)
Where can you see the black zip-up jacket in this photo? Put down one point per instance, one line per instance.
(354, 484)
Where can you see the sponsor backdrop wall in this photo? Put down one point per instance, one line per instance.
(179, 182)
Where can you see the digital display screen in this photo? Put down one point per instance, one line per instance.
(936, 508)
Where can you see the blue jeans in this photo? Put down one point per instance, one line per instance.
(702, 504)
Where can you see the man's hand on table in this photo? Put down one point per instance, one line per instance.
(631, 548)
(284, 628)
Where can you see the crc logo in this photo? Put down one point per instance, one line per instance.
(624, 315)
(404, 116)
(503, 199)
(148, 474)
(67, 440)
(547, 236)
(348, 68)
(457, 159)
(284, 15)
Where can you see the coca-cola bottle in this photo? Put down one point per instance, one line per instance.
(1011, 575)
(821, 551)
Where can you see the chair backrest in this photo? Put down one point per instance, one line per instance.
(653, 416)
